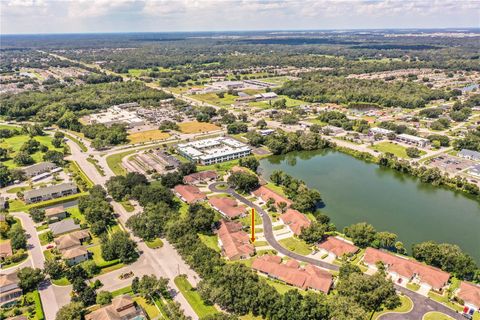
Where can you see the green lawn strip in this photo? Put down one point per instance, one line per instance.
(97, 166)
(413, 286)
(160, 303)
(221, 168)
(48, 255)
(61, 282)
(43, 238)
(76, 168)
(210, 241)
(127, 206)
(114, 162)
(396, 149)
(444, 300)
(406, 305)
(296, 245)
(122, 291)
(276, 189)
(75, 213)
(154, 244)
(193, 298)
(112, 268)
(39, 315)
(79, 143)
(283, 287)
(98, 259)
(260, 243)
(435, 315)
(149, 307)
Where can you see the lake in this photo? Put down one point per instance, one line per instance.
(356, 191)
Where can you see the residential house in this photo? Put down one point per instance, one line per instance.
(75, 255)
(200, 177)
(122, 308)
(63, 226)
(295, 220)
(9, 288)
(309, 277)
(38, 168)
(228, 207)
(470, 294)
(234, 242)
(55, 213)
(266, 194)
(5, 249)
(50, 192)
(188, 193)
(337, 247)
(403, 270)
(70, 246)
(469, 154)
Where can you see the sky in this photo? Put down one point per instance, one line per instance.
(92, 16)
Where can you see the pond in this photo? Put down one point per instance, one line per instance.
(356, 191)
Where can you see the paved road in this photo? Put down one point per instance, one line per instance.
(421, 304)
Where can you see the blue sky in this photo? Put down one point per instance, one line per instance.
(76, 16)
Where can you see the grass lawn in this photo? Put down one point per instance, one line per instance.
(444, 299)
(61, 282)
(149, 307)
(43, 238)
(197, 127)
(115, 162)
(435, 315)
(210, 241)
(127, 206)
(154, 244)
(247, 220)
(296, 245)
(79, 143)
(75, 168)
(282, 287)
(413, 286)
(396, 149)
(406, 305)
(276, 80)
(276, 189)
(122, 291)
(48, 255)
(260, 243)
(221, 168)
(76, 214)
(212, 98)
(147, 136)
(97, 257)
(15, 143)
(193, 298)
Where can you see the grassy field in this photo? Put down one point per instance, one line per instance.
(15, 143)
(147, 136)
(210, 241)
(193, 298)
(212, 98)
(115, 162)
(396, 149)
(138, 72)
(296, 245)
(288, 101)
(406, 305)
(434, 315)
(97, 257)
(276, 80)
(197, 127)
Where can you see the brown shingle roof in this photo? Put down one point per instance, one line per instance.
(291, 273)
(227, 206)
(71, 239)
(434, 277)
(295, 220)
(54, 211)
(337, 246)
(74, 252)
(470, 293)
(122, 307)
(235, 242)
(188, 193)
(6, 249)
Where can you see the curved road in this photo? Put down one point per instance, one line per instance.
(421, 304)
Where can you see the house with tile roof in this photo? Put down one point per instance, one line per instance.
(470, 294)
(70, 246)
(200, 177)
(266, 194)
(337, 247)
(308, 277)
(121, 308)
(55, 213)
(295, 220)
(9, 288)
(233, 241)
(5, 249)
(228, 207)
(189, 194)
(403, 270)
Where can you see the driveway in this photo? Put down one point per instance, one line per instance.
(421, 304)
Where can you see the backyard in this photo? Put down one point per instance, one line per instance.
(193, 297)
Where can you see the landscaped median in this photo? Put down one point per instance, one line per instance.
(193, 297)
(405, 306)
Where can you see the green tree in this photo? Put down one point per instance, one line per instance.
(119, 246)
(362, 234)
(18, 237)
(71, 311)
(249, 162)
(104, 298)
(314, 233)
(243, 181)
(37, 214)
(30, 278)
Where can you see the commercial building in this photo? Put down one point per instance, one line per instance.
(470, 294)
(9, 288)
(413, 140)
(233, 241)
(403, 270)
(51, 192)
(295, 220)
(469, 154)
(214, 150)
(228, 207)
(118, 114)
(188, 193)
(337, 247)
(308, 277)
(38, 168)
(121, 308)
(381, 131)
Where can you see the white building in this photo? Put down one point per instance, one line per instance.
(382, 131)
(214, 150)
(414, 140)
(469, 154)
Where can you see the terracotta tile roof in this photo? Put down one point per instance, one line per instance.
(227, 206)
(337, 246)
(6, 249)
(432, 276)
(201, 176)
(265, 194)
(122, 307)
(54, 211)
(309, 277)
(188, 193)
(295, 220)
(469, 293)
(235, 242)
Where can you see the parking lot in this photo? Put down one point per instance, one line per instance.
(451, 164)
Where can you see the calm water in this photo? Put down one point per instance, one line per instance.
(356, 191)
